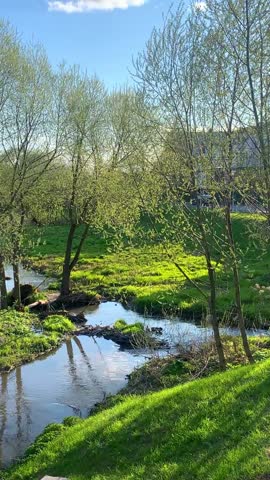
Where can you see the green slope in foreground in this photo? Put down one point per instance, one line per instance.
(217, 428)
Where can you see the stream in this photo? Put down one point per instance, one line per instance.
(72, 379)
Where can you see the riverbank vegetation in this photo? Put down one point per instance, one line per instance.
(216, 427)
(145, 277)
(23, 337)
(193, 361)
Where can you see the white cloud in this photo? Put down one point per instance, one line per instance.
(200, 5)
(80, 6)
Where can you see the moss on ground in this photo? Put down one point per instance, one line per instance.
(134, 328)
(23, 337)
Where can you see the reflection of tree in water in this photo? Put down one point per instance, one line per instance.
(22, 419)
(19, 390)
(103, 358)
(76, 375)
(22, 408)
(72, 366)
(3, 413)
(84, 354)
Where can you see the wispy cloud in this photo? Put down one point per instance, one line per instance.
(80, 6)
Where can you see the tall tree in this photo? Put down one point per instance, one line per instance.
(29, 136)
(83, 133)
(169, 72)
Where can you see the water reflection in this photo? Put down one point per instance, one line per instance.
(69, 382)
(73, 379)
(3, 411)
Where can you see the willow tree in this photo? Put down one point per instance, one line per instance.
(196, 85)
(168, 73)
(245, 28)
(83, 132)
(224, 144)
(9, 55)
(29, 138)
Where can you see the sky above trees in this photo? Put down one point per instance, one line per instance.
(100, 35)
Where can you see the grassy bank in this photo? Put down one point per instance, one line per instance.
(152, 283)
(23, 337)
(215, 428)
(192, 362)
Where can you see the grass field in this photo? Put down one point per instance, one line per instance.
(216, 428)
(145, 275)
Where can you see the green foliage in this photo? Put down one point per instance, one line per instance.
(54, 286)
(213, 428)
(58, 323)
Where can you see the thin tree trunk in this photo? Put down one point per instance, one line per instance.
(212, 299)
(213, 315)
(237, 290)
(65, 284)
(17, 287)
(69, 263)
(79, 248)
(16, 257)
(212, 302)
(3, 287)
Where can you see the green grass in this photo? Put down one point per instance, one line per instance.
(216, 428)
(23, 337)
(145, 277)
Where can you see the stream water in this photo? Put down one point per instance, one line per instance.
(27, 276)
(74, 378)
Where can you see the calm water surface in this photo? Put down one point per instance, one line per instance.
(73, 379)
(27, 276)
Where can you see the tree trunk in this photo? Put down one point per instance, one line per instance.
(213, 315)
(212, 302)
(3, 287)
(65, 283)
(236, 281)
(17, 287)
(68, 263)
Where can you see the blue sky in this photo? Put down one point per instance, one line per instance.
(98, 35)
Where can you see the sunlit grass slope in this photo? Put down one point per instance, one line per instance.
(215, 428)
